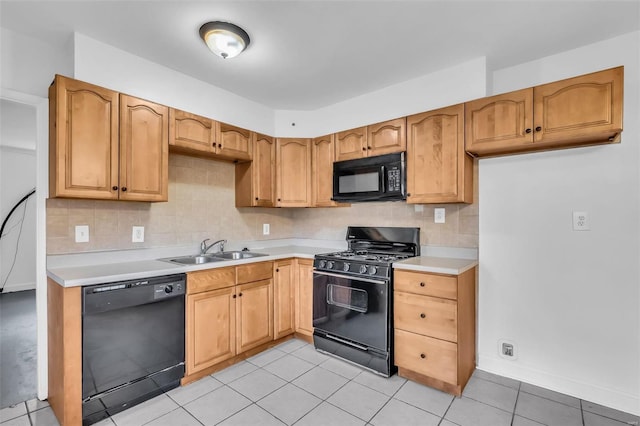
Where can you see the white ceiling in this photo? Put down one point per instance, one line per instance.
(308, 54)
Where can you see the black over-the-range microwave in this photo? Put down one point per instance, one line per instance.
(379, 178)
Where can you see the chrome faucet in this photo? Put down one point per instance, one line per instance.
(204, 248)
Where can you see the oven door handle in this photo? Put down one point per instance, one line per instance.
(355, 278)
(346, 342)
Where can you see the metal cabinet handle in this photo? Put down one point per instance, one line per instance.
(423, 356)
(115, 188)
(527, 131)
(239, 294)
(538, 128)
(422, 315)
(124, 189)
(421, 284)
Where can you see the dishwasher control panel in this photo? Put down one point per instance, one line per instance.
(160, 291)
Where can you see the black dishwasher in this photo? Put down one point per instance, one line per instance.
(132, 343)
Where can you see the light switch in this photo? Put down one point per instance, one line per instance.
(82, 233)
(266, 229)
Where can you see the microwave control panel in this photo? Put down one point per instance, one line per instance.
(394, 183)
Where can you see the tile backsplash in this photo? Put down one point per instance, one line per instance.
(202, 205)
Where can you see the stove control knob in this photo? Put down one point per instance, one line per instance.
(345, 267)
(329, 265)
(322, 264)
(363, 269)
(372, 270)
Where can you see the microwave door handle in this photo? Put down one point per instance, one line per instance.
(383, 175)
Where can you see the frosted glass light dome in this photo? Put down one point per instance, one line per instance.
(224, 39)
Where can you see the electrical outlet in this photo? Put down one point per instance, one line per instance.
(439, 215)
(82, 233)
(507, 349)
(137, 234)
(265, 229)
(581, 221)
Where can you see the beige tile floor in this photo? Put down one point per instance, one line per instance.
(293, 384)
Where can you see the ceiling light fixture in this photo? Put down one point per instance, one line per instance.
(224, 39)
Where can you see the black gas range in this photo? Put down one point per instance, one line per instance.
(352, 295)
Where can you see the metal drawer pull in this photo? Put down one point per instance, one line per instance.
(423, 356)
(421, 284)
(422, 315)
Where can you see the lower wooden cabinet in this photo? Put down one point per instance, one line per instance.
(254, 314)
(435, 329)
(228, 311)
(283, 298)
(211, 328)
(304, 298)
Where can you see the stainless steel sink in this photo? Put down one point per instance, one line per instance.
(213, 257)
(194, 260)
(235, 255)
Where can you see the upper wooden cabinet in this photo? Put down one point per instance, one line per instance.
(322, 158)
(578, 111)
(192, 131)
(293, 172)
(376, 139)
(256, 180)
(351, 144)
(196, 135)
(144, 150)
(387, 137)
(438, 169)
(84, 140)
(105, 145)
(234, 142)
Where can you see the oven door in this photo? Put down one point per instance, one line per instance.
(351, 309)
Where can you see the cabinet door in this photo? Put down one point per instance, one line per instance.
(211, 328)
(581, 109)
(499, 123)
(192, 131)
(283, 299)
(438, 169)
(234, 142)
(144, 150)
(387, 137)
(351, 144)
(254, 314)
(264, 171)
(293, 172)
(83, 140)
(322, 157)
(304, 297)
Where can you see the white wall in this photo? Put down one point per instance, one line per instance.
(107, 66)
(27, 65)
(569, 300)
(17, 178)
(439, 89)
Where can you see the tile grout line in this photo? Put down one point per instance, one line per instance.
(448, 408)
(515, 406)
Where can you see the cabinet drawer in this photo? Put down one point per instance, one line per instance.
(426, 355)
(254, 272)
(426, 315)
(211, 279)
(426, 284)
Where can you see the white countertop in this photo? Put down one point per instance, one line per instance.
(98, 268)
(73, 276)
(436, 265)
